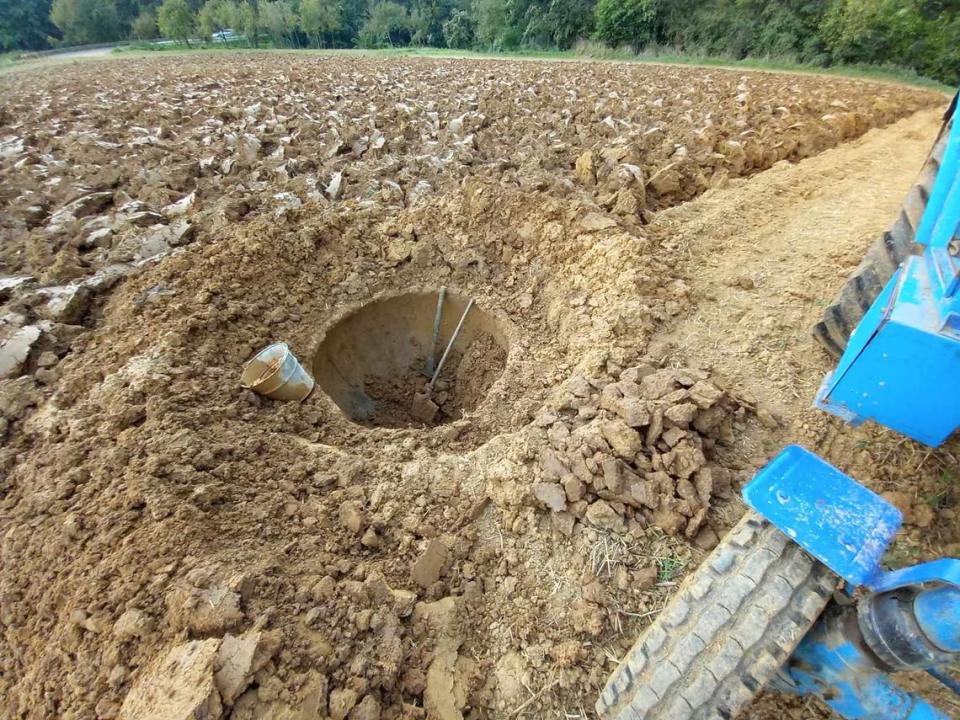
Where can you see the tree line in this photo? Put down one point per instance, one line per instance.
(922, 35)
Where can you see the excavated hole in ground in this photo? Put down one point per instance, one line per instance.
(372, 362)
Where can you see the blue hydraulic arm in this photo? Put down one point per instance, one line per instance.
(901, 620)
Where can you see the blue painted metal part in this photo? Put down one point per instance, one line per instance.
(831, 663)
(902, 361)
(911, 620)
(838, 521)
(902, 364)
(938, 614)
(945, 570)
(943, 212)
(831, 516)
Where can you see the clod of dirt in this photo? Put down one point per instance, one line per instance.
(239, 658)
(426, 570)
(15, 350)
(643, 446)
(203, 604)
(132, 624)
(179, 685)
(445, 692)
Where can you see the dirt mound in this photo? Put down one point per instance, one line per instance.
(231, 510)
(637, 449)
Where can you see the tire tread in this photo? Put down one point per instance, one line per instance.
(700, 661)
(881, 260)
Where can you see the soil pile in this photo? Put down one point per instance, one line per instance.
(637, 449)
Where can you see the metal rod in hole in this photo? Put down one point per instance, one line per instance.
(428, 368)
(453, 339)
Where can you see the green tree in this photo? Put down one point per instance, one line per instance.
(25, 24)
(353, 14)
(558, 22)
(912, 33)
(144, 26)
(458, 30)
(319, 20)
(388, 24)
(216, 16)
(127, 12)
(872, 30)
(247, 21)
(86, 21)
(176, 20)
(626, 22)
(426, 21)
(280, 21)
(492, 24)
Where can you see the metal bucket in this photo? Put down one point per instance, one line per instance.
(276, 373)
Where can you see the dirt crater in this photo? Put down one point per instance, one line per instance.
(373, 361)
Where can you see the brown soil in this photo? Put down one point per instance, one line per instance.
(372, 362)
(173, 544)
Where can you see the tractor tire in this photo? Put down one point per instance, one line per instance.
(731, 625)
(884, 256)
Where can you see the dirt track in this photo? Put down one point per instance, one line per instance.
(640, 352)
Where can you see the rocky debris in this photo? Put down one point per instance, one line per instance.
(132, 624)
(621, 137)
(82, 207)
(597, 221)
(16, 396)
(203, 604)
(180, 207)
(239, 658)
(602, 514)
(145, 218)
(552, 495)
(16, 349)
(248, 149)
(66, 304)
(426, 570)
(367, 709)
(624, 440)
(9, 285)
(585, 170)
(444, 697)
(642, 451)
(352, 516)
(342, 701)
(178, 686)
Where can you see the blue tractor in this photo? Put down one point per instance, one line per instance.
(795, 598)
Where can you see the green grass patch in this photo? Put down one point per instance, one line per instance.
(147, 46)
(668, 568)
(901, 553)
(945, 492)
